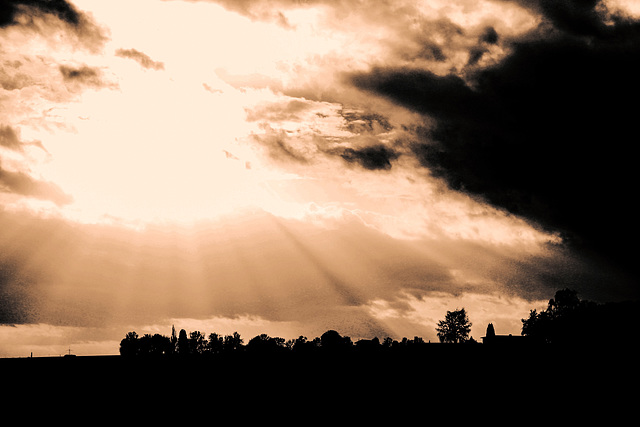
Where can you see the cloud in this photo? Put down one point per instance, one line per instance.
(84, 75)
(17, 304)
(254, 265)
(542, 133)
(365, 122)
(578, 17)
(9, 138)
(21, 13)
(289, 110)
(464, 97)
(280, 146)
(243, 81)
(259, 10)
(143, 59)
(372, 158)
(21, 183)
(11, 78)
(59, 8)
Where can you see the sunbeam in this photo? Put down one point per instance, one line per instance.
(357, 165)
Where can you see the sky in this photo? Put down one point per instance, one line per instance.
(289, 167)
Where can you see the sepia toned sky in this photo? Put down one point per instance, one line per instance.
(288, 167)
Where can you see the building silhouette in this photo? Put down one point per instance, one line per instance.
(491, 338)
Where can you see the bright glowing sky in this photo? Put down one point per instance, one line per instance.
(205, 164)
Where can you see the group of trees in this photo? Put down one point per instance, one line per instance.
(197, 344)
(180, 344)
(454, 328)
(567, 319)
(570, 320)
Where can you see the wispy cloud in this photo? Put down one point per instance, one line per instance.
(143, 59)
(20, 183)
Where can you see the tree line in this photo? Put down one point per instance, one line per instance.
(567, 320)
(196, 343)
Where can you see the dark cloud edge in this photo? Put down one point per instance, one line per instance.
(89, 34)
(541, 134)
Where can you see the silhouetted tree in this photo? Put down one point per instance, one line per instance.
(387, 342)
(265, 344)
(215, 344)
(550, 325)
(233, 342)
(567, 319)
(173, 339)
(154, 345)
(197, 343)
(183, 343)
(333, 341)
(129, 345)
(303, 345)
(145, 345)
(564, 302)
(454, 328)
(368, 345)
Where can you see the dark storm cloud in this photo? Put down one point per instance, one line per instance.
(578, 17)
(377, 157)
(22, 12)
(486, 39)
(9, 9)
(546, 133)
(489, 36)
(142, 58)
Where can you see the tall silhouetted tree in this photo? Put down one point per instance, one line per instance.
(173, 339)
(183, 343)
(454, 328)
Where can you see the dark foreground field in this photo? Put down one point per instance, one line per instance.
(442, 373)
(460, 381)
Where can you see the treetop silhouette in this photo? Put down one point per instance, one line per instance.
(567, 320)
